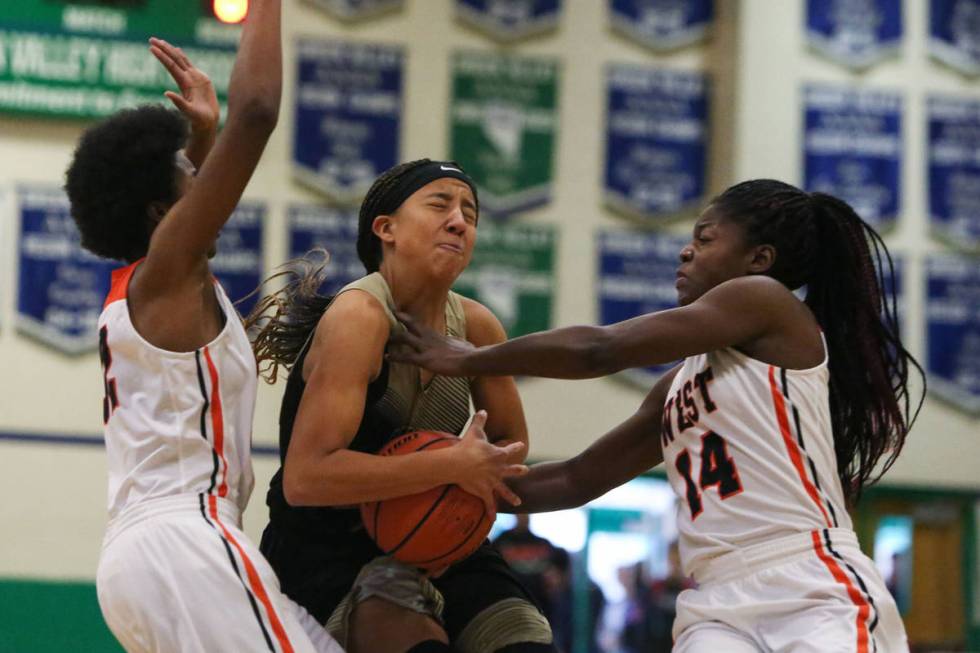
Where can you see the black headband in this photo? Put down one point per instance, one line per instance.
(418, 177)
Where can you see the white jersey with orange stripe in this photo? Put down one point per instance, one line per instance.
(749, 449)
(175, 422)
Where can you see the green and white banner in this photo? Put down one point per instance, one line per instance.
(503, 127)
(80, 60)
(513, 274)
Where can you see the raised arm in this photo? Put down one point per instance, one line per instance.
(180, 244)
(320, 470)
(620, 455)
(732, 313)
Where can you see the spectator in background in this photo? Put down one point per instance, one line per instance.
(562, 615)
(663, 602)
(529, 556)
(635, 636)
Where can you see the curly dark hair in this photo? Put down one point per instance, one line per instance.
(121, 166)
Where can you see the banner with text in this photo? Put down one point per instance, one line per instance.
(61, 286)
(238, 264)
(357, 9)
(637, 275)
(332, 229)
(954, 170)
(953, 329)
(509, 20)
(855, 33)
(662, 24)
(348, 116)
(503, 127)
(954, 34)
(853, 149)
(513, 274)
(656, 141)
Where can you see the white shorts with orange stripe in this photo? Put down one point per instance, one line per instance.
(810, 592)
(178, 574)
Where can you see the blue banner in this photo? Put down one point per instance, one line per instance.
(856, 33)
(238, 264)
(853, 149)
(636, 275)
(348, 116)
(356, 9)
(656, 141)
(953, 329)
(954, 170)
(662, 24)
(61, 287)
(509, 20)
(954, 34)
(332, 229)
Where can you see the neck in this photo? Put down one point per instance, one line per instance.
(423, 298)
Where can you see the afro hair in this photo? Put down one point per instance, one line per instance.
(122, 166)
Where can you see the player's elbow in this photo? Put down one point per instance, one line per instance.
(597, 353)
(258, 112)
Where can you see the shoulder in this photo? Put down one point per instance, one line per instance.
(753, 287)
(355, 311)
(482, 326)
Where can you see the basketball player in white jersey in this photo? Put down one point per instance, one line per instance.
(777, 416)
(176, 571)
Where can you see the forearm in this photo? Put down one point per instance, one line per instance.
(199, 144)
(255, 87)
(575, 352)
(348, 477)
(547, 487)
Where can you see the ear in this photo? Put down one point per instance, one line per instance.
(155, 213)
(763, 257)
(383, 228)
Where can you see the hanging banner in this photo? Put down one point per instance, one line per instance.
(636, 275)
(61, 286)
(855, 33)
(953, 329)
(656, 141)
(503, 127)
(79, 60)
(662, 24)
(348, 116)
(332, 229)
(238, 264)
(954, 170)
(853, 149)
(513, 274)
(509, 20)
(356, 9)
(954, 34)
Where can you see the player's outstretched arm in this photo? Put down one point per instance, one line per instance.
(620, 455)
(180, 244)
(730, 314)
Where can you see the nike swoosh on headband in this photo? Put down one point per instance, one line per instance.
(450, 169)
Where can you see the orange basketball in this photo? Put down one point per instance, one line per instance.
(431, 529)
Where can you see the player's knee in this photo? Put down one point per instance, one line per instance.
(513, 625)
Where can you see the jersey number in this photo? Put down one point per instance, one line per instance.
(717, 470)
(111, 400)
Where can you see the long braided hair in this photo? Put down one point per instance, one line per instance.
(283, 320)
(822, 244)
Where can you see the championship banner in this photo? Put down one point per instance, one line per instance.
(953, 329)
(356, 9)
(82, 60)
(348, 116)
(636, 275)
(509, 20)
(855, 33)
(332, 229)
(853, 149)
(656, 141)
(238, 264)
(513, 274)
(954, 36)
(954, 170)
(61, 287)
(662, 24)
(503, 127)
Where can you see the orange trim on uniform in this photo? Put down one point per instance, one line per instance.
(119, 287)
(864, 610)
(255, 583)
(217, 423)
(791, 447)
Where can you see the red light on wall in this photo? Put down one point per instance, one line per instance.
(230, 11)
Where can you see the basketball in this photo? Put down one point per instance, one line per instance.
(431, 529)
